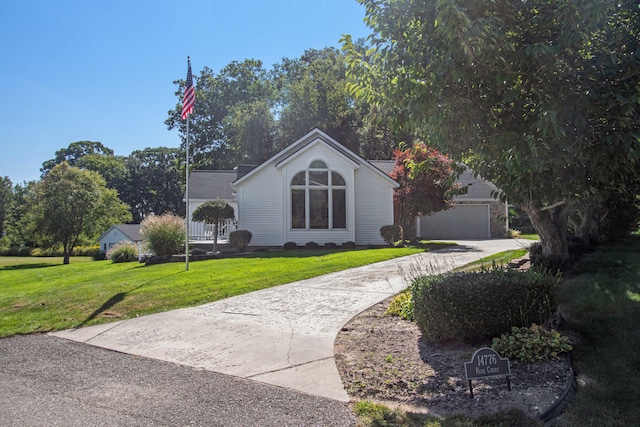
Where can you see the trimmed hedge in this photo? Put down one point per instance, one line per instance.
(461, 306)
(390, 233)
(240, 239)
(290, 246)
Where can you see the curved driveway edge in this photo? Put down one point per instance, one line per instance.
(282, 335)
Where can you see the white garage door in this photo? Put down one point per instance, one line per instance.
(459, 222)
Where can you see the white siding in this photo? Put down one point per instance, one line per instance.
(264, 200)
(374, 206)
(112, 237)
(260, 202)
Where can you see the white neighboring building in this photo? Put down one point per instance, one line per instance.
(121, 233)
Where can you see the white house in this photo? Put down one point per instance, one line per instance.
(120, 233)
(318, 190)
(315, 190)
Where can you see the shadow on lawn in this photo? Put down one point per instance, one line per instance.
(26, 266)
(119, 297)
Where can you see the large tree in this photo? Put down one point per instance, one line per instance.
(19, 228)
(6, 199)
(153, 182)
(538, 96)
(245, 114)
(71, 203)
(215, 126)
(312, 93)
(74, 152)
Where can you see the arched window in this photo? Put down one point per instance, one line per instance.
(318, 198)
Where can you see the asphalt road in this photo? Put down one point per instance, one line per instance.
(49, 381)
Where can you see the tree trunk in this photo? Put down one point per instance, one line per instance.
(585, 228)
(215, 237)
(551, 225)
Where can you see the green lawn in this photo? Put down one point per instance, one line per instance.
(14, 262)
(40, 294)
(602, 303)
(500, 259)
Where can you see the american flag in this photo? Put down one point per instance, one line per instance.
(189, 95)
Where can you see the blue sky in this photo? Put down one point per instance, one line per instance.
(74, 70)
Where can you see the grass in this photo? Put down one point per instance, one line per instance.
(529, 237)
(41, 294)
(14, 262)
(602, 303)
(377, 415)
(499, 259)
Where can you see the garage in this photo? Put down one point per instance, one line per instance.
(459, 222)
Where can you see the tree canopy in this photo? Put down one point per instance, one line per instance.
(74, 152)
(426, 180)
(71, 203)
(213, 212)
(245, 113)
(539, 97)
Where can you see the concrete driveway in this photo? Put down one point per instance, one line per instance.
(283, 335)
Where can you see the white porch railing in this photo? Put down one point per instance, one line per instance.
(202, 231)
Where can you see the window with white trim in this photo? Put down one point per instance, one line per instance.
(318, 198)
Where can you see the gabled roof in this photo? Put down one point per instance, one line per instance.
(385, 166)
(478, 188)
(210, 185)
(132, 231)
(313, 137)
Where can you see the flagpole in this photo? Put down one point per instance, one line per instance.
(188, 102)
(186, 240)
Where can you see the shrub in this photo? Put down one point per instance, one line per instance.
(514, 234)
(240, 239)
(37, 252)
(290, 245)
(92, 251)
(539, 261)
(462, 306)
(349, 245)
(390, 233)
(532, 344)
(47, 252)
(330, 245)
(164, 234)
(311, 245)
(401, 306)
(123, 252)
(535, 254)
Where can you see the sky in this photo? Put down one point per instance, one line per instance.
(78, 70)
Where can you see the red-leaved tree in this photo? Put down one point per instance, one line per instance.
(427, 183)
